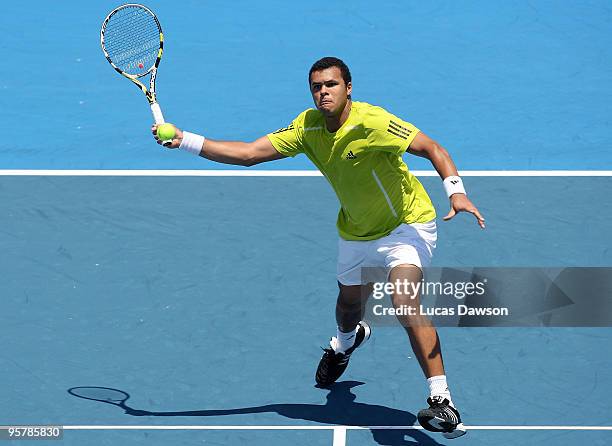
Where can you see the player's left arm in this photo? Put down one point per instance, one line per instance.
(423, 146)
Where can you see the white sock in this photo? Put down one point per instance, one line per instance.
(345, 340)
(439, 387)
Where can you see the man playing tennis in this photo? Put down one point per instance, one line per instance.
(386, 218)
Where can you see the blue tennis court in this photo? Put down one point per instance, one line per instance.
(178, 282)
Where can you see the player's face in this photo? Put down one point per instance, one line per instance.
(329, 92)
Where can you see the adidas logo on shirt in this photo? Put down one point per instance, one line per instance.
(350, 155)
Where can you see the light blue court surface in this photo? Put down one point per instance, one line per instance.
(207, 299)
(504, 85)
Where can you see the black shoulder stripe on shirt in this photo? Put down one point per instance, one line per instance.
(401, 132)
(397, 134)
(397, 125)
(399, 128)
(284, 129)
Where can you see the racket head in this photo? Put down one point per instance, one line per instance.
(132, 40)
(102, 394)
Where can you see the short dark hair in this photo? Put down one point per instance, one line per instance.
(328, 62)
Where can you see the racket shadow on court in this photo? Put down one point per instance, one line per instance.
(340, 408)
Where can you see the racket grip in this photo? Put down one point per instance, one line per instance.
(157, 113)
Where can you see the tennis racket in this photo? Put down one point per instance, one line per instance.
(133, 42)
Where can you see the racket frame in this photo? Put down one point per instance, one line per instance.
(150, 92)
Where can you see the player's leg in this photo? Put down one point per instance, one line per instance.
(441, 415)
(349, 306)
(352, 333)
(406, 251)
(423, 335)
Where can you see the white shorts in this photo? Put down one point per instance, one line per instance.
(408, 244)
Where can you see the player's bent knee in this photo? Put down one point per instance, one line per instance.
(406, 270)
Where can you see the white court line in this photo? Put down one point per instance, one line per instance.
(339, 438)
(331, 427)
(339, 431)
(289, 173)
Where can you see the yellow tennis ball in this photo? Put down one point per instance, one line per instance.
(165, 132)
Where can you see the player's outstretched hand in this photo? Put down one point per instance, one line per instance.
(176, 140)
(461, 203)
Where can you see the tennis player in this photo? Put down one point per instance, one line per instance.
(386, 218)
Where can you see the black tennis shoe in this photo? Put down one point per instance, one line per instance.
(334, 363)
(440, 416)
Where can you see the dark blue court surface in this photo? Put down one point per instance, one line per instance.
(207, 299)
(211, 311)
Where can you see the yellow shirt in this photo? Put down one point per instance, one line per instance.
(362, 161)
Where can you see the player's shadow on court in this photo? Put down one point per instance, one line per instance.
(340, 408)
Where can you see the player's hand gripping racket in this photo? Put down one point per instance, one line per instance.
(133, 43)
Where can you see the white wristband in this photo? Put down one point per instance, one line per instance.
(192, 143)
(453, 185)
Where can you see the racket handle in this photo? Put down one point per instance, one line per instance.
(157, 113)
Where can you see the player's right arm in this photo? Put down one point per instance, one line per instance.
(230, 152)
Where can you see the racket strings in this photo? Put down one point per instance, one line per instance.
(132, 28)
(122, 29)
(132, 40)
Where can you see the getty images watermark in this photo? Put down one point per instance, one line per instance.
(416, 291)
(492, 297)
